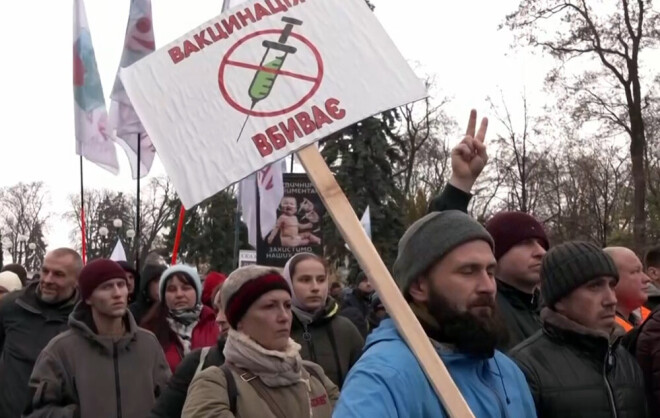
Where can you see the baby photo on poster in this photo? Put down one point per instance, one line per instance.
(298, 227)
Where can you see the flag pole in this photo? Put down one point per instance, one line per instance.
(237, 229)
(177, 237)
(137, 218)
(82, 214)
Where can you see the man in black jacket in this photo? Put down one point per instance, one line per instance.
(520, 244)
(575, 366)
(29, 319)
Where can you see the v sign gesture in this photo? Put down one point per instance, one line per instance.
(469, 157)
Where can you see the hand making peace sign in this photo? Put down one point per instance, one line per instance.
(469, 157)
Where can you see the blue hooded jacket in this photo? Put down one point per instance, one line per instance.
(388, 381)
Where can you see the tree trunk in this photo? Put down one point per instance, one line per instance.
(637, 143)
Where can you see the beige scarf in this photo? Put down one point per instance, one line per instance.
(274, 368)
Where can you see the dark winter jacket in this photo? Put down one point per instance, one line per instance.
(330, 340)
(83, 374)
(648, 356)
(170, 403)
(143, 302)
(520, 312)
(26, 326)
(451, 198)
(576, 372)
(355, 306)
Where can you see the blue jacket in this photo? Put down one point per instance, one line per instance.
(388, 381)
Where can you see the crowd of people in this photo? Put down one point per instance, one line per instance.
(524, 328)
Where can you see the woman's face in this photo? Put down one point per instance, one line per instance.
(220, 317)
(310, 284)
(268, 320)
(179, 294)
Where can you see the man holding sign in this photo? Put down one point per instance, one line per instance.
(445, 269)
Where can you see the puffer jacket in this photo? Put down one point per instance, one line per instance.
(26, 327)
(330, 340)
(83, 374)
(576, 372)
(520, 312)
(208, 397)
(648, 356)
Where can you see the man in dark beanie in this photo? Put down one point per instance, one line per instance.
(148, 294)
(104, 364)
(133, 278)
(445, 270)
(575, 365)
(520, 244)
(356, 303)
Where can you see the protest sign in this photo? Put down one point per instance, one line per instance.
(299, 224)
(247, 258)
(258, 82)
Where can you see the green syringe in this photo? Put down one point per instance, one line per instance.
(270, 65)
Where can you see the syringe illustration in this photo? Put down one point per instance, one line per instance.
(270, 65)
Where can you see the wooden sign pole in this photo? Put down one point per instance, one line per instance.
(409, 327)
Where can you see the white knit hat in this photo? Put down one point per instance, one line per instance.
(10, 281)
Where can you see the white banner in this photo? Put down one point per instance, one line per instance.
(261, 81)
(91, 118)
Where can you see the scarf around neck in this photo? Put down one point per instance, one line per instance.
(183, 322)
(274, 368)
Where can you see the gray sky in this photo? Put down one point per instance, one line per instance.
(456, 41)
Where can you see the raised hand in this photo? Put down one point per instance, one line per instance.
(469, 157)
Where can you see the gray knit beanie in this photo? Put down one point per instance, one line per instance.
(430, 239)
(570, 265)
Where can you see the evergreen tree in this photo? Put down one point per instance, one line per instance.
(362, 158)
(207, 239)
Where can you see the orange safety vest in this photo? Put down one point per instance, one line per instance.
(627, 326)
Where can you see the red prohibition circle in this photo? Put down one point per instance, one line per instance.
(235, 105)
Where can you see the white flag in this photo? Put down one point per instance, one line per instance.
(271, 190)
(125, 124)
(366, 222)
(91, 118)
(118, 254)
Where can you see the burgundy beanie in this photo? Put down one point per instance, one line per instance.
(97, 272)
(247, 284)
(511, 228)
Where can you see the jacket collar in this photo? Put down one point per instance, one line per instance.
(29, 300)
(559, 327)
(82, 322)
(518, 298)
(321, 317)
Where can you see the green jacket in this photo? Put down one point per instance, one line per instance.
(330, 340)
(83, 374)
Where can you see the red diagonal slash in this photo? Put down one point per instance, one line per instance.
(271, 70)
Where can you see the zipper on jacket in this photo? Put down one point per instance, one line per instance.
(610, 394)
(307, 336)
(115, 358)
(497, 396)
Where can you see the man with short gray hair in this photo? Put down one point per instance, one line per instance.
(29, 319)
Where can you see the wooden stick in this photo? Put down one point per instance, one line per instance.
(409, 327)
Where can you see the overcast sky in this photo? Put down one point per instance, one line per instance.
(456, 41)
